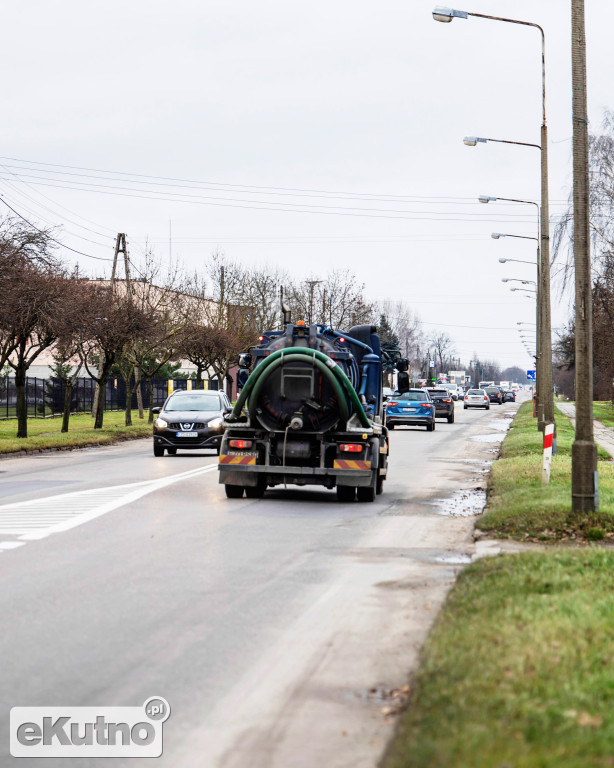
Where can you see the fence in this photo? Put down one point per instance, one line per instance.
(45, 397)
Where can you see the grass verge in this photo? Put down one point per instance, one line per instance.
(604, 412)
(45, 433)
(521, 506)
(517, 670)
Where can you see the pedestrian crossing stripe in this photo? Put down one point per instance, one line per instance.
(243, 460)
(351, 464)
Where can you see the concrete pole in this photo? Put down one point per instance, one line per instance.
(584, 450)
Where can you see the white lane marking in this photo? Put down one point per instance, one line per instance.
(38, 518)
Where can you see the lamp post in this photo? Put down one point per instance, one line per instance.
(540, 360)
(584, 484)
(444, 14)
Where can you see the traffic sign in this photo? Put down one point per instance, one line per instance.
(530, 375)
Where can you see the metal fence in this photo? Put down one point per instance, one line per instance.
(45, 397)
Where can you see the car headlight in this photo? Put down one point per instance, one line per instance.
(215, 423)
(160, 423)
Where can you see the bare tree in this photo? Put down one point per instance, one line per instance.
(32, 287)
(110, 323)
(444, 349)
(601, 206)
(336, 300)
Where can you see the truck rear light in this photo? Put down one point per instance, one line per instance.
(351, 447)
(240, 443)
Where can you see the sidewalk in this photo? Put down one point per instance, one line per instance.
(603, 435)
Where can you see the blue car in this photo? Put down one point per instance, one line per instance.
(413, 408)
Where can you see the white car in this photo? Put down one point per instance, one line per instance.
(476, 398)
(453, 390)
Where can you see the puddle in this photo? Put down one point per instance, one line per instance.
(502, 423)
(466, 503)
(497, 437)
(454, 559)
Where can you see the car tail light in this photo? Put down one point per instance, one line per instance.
(466, 397)
(389, 403)
(446, 400)
(424, 405)
(485, 397)
(351, 447)
(240, 443)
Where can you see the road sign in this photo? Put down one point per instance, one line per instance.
(530, 375)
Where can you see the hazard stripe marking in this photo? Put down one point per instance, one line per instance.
(243, 460)
(351, 464)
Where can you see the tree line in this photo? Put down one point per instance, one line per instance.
(136, 325)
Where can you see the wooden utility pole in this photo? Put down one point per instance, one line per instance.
(584, 451)
(120, 247)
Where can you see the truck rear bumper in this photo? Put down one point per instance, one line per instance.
(248, 475)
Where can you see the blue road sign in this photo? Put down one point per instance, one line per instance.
(530, 375)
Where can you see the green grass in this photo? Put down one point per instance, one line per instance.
(517, 672)
(604, 412)
(521, 506)
(45, 433)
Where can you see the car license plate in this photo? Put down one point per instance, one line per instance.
(410, 409)
(186, 434)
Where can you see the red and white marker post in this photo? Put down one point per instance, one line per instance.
(548, 437)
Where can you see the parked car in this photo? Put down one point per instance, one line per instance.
(510, 396)
(444, 405)
(495, 395)
(476, 398)
(413, 408)
(190, 420)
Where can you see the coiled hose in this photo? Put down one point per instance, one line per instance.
(325, 364)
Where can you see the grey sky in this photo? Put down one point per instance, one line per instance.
(367, 99)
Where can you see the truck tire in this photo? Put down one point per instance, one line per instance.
(380, 484)
(345, 493)
(234, 491)
(390, 427)
(367, 493)
(255, 491)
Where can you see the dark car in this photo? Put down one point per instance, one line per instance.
(495, 395)
(190, 420)
(444, 405)
(413, 408)
(510, 396)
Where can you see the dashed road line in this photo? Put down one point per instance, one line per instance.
(39, 518)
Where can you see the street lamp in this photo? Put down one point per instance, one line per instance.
(502, 260)
(518, 280)
(472, 141)
(540, 333)
(444, 14)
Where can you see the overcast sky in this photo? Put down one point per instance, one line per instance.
(304, 135)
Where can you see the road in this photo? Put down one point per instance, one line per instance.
(276, 628)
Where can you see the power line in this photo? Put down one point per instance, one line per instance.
(42, 232)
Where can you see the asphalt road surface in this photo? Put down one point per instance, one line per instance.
(275, 628)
